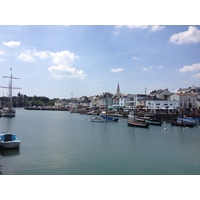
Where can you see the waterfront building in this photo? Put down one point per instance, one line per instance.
(104, 100)
(162, 105)
(84, 101)
(93, 101)
(186, 100)
(119, 101)
(135, 100)
(192, 89)
(60, 103)
(161, 94)
(130, 101)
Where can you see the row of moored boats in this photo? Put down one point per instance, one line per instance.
(148, 119)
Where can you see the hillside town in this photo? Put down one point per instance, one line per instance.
(183, 101)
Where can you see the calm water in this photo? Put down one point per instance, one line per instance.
(55, 142)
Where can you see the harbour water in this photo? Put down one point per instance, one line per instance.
(64, 143)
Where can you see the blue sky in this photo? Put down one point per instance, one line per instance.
(55, 61)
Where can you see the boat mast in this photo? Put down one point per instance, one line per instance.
(10, 87)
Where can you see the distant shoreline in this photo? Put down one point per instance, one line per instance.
(37, 108)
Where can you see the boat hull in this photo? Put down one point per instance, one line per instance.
(10, 145)
(138, 124)
(110, 119)
(7, 114)
(9, 141)
(97, 119)
(174, 122)
(154, 122)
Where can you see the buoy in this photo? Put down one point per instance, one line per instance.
(165, 129)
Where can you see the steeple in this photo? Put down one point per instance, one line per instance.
(118, 90)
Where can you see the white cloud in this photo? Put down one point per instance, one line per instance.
(41, 54)
(117, 70)
(192, 35)
(147, 68)
(12, 44)
(196, 75)
(137, 26)
(152, 28)
(64, 61)
(135, 58)
(62, 66)
(157, 28)
(26, 57)
(2, 53)
(160, 67)
(63, 71)
(115, 33)
(192, 68)
(63, 57)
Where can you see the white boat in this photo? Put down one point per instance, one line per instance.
(97, 119)
(9, 141)
(9, 111)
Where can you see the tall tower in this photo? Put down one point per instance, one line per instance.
(118, 90)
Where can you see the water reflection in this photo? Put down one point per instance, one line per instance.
(10, 152)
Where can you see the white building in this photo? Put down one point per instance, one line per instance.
(186, 100)
(104, 100)
(161, 94)
(162, 104)
(60, 103)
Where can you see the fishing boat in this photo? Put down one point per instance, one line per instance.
(189, 119)
(134, 120)
(152, 120)
(9, 111)
(138, 123)
(176, 122)
(9, 141)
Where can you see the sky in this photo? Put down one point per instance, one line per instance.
(61, 61)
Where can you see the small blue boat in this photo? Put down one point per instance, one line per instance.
(9, 141)
(110, 119)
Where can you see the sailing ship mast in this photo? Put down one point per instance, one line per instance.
(10, 90)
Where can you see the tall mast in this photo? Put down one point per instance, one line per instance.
(10, 86)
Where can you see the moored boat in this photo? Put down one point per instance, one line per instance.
(176, 122)
(154, 122)
(138, 124)
(9, 111)
(97, 119)
(189, 119)
(110, 119)
(9, 141)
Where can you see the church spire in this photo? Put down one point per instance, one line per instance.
(118, 90)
